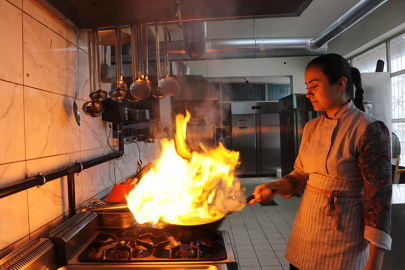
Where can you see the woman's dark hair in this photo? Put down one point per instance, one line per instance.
(334, 66)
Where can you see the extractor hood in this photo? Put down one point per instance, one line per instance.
(195, 88)
(85, 14)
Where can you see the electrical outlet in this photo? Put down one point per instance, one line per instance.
(115, 142)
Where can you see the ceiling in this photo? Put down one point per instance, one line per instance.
(314, 19)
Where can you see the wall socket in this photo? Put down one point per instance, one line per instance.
(115, 142)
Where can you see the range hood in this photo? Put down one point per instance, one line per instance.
(195, 88)
(85, 14)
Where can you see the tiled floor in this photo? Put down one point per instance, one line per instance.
(259, 234)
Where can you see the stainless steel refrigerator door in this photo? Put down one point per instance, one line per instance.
(244, 141)
(269, 151)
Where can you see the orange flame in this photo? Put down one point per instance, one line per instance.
(187, 188)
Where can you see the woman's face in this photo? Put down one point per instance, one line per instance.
(323, 95)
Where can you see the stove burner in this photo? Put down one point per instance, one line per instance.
(151, 245)
(187, 251)
(120, 251)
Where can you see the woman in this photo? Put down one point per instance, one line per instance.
(344, 164)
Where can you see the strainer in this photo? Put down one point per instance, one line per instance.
(168, 86)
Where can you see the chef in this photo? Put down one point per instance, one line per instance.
(344, 168)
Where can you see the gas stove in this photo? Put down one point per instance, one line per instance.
(81, 244)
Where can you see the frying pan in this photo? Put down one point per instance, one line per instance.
(180, 232)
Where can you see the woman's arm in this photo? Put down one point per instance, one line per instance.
(375, 165)
(287, 186)
(375, 259)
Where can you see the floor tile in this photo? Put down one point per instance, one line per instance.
(244, 248)
(248, 262)
(266, 254)
(247, 254)
(259, 235)
(269, 261)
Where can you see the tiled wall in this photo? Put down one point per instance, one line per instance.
(38, 130)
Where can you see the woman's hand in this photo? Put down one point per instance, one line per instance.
(263, 193)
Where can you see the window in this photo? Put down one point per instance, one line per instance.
(397, 64)
(277, 91)
(367, 61)
(397, 51)
(243, 92)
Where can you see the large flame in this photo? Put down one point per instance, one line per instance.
(187, 188)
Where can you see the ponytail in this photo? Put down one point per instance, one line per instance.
(358, 96)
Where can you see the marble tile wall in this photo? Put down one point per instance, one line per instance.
(38, 131)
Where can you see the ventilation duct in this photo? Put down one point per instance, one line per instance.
(264, 47)
(355, 14)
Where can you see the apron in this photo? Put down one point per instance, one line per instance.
(328, 231)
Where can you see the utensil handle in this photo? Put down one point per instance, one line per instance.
(90, 63)
(251, 197)
(157, 52)
(166, 50)
(134, 54)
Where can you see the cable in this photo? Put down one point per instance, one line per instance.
(108, 137)
(139, 162)
(122, 177)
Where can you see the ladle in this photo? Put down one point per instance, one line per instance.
(119, 92)
(134, 62)
(92, 108)
(100, 94)
(141, 88)
(168, 85)
(156, 91)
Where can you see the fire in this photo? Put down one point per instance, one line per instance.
(187, 188)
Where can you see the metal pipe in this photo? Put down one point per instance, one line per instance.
(242, 48)
(41, 179)
(355, 14)
(71, 193)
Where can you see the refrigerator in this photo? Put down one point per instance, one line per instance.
(256, 136)
(295, 111)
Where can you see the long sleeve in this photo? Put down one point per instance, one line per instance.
(374, 162)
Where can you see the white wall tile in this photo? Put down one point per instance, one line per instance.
(50, 200)
(98, 178)
(83, 76)
(50, 125)
(11, 173)
(14, 218)
(11, 68)
(11, 123)
(17, 3)
(41, 14)
(49, 60)
(93, 130)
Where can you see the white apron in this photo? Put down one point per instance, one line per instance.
(328, 231)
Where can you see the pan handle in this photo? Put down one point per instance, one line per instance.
(251, 197)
